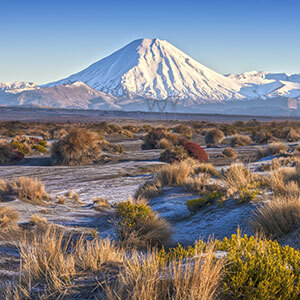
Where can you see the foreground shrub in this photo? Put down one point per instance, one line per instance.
(138, 225)
(146, 278)
(79, 147)
(214, 136)
(260, 269)
(177, 153)
(196, 151)
(292, 135)
(278, 217)
(25, 188)
(240, 140)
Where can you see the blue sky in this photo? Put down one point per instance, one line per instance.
(42, 41)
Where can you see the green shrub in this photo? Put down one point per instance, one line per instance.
(260, 269)
(176, 153)
(43, 143)
(254, 269)
(139, 225)
(208, 197)
(39, 148)
(21, 147)
(247, 194)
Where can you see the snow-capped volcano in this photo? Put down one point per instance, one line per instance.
(154, 68)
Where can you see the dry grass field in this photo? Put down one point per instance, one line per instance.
(157, 210)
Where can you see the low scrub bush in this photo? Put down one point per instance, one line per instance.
(39, 148)
(8, 154)
(206, 168)
(263, 137)
(207, 198)
(184, 130)
(247, 194)
(229, 152)
(195, 151)
(260, 269)
(176, 153)
(240, 140)
(214, 136)
(140, 226)
(153, 138)
(79, 147)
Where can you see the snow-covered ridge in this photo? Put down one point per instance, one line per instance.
(155, 68)
(17, 86)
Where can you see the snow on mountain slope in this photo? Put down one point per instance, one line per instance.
(17, 86)
(268, 85)
(155, 68)
(75, 95)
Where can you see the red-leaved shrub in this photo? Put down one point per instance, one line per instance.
(195, 151)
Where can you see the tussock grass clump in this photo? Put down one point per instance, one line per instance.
(79, 147)
(273, 149)
(185, 130)
(277, 217)
(229, 152)
(238, 177)
(8, 217)
(188, 173)
(214, 136)
(146, 278)
(206, 168)
(100, 204)
(153, 138)
(176, 153)
(240, 140)
(138, 225)
(292, 135)
(263, 137)
(25, 188)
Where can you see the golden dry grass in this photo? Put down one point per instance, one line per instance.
(100, 204)
(229, 152)
(8, 217)
(278, 217)
(240, 140)
(79, 147)
(238, 177)
(25, 188)
(183, 173)
(144, 278)
(49, 264)
(272, 149)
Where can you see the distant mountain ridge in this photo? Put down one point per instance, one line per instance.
(152, 74)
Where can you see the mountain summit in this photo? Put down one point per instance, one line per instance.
(156, 69)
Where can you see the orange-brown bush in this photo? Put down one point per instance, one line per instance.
(153, 138)
(229, 152)
(79, 147)
(240, 140)
(214, 136)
